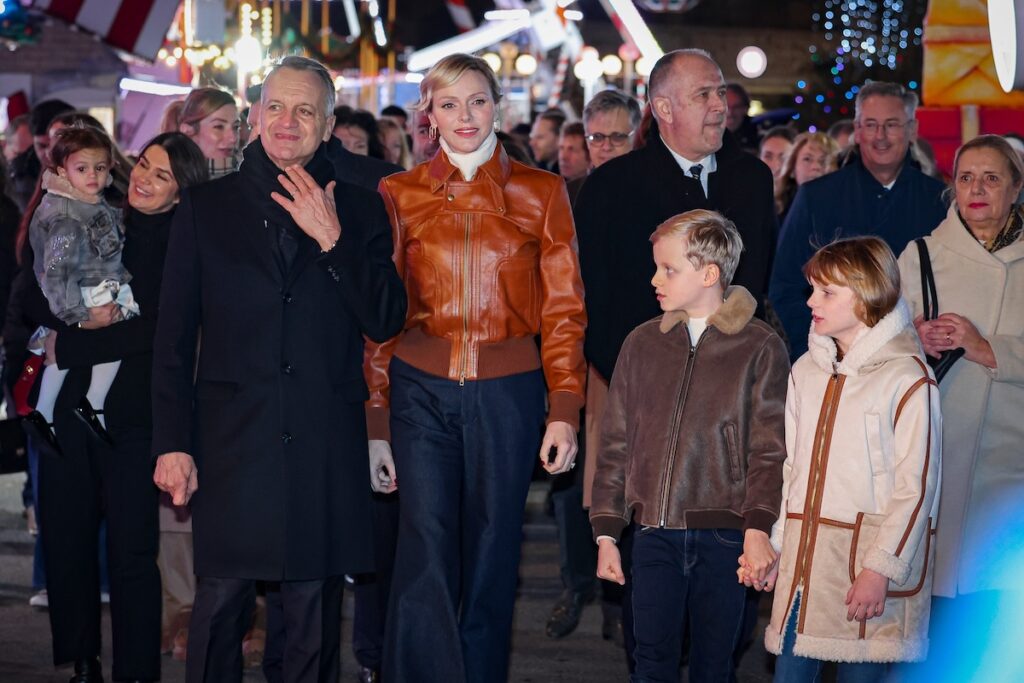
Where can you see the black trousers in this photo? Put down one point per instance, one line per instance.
(76, 490)
(222, 614)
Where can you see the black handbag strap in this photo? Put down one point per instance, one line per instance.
(929, 295)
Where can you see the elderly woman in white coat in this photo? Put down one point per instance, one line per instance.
(977, 256)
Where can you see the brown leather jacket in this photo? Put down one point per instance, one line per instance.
(694, 437)
(488, 265)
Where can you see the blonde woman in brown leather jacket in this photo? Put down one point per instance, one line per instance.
(487, 250)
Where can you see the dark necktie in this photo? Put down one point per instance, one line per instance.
(695, 171)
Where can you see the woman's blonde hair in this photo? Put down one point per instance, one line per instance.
(864, 264)
(450, 69)
(787, 184)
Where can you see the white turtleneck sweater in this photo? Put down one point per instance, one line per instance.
(469, 162)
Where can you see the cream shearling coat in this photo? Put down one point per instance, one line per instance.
(859, 491)
(983, 410)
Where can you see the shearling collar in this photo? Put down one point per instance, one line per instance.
(892, 337)
(60, 186)
(731, 317)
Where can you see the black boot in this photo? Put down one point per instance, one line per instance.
(90, 418)
(41, 432)
(565, 616)
(87, 671)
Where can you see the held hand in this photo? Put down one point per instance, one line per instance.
(744, 576)
(176, 474)
(562, 437)
(312, 208)
(101, 316)
(758, 556)
(382, 467)
(866, 597)
(609, 562)
(965, 335)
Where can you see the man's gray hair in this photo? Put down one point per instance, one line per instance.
(886, 89)
(662, 71)
(300, 63)
(610, 100)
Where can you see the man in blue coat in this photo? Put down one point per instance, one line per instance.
(283, 269)
(879, 192)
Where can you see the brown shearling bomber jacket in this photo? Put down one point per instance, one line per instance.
(488, 265)
(694, 437)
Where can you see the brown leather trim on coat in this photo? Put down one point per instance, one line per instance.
(863, 629)
(807, 501)
(836, 522)
(830, 421)
(906, 397)
(927, 455)
(794, 515)
(853, 547)
(924, 571)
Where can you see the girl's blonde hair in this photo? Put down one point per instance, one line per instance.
(864, 264)
(450, 69)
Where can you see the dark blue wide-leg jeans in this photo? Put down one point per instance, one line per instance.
(463, 458)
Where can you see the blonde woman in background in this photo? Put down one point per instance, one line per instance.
(209, 116)
(396, 146)
(812, 156)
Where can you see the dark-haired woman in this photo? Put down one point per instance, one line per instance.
(93, 478)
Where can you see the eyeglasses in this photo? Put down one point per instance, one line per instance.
(889, 127)
(617, 139)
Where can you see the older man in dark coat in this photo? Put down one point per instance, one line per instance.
(283, 270)
(689, 162)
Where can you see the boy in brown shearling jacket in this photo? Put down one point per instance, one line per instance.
(691, 452)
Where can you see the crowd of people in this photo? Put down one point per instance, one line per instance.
(296, 342)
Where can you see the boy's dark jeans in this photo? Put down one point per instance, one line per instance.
(685, 580)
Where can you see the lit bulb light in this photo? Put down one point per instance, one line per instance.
(162, 54)
(588, 68)
(573, 15)
(644, 65)
(752, 61)
(526, 65)
(249, 55)
(493, 61)
(170, 60)
(178, 52)
(612, 65)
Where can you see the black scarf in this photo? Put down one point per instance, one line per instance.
(259, 176)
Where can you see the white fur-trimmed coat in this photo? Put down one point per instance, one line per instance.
(859, 491)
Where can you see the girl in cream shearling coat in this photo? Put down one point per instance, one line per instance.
(859, 492)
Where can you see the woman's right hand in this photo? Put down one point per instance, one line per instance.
(933, 335)
(101, 316)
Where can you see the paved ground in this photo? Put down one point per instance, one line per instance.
(25, 655)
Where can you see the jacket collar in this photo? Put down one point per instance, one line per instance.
(731, 317)
(955, 236)
(892, 337)
(498, 168)
(57, 185)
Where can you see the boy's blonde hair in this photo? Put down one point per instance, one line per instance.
(708, 237)
(867, 266)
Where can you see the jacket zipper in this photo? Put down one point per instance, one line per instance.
(684, 390)
(820, 449)
(465, 305)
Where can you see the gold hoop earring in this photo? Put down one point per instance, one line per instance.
(432, 132)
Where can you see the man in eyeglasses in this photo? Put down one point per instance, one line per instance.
(880, 191)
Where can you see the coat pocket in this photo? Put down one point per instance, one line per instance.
(865, 529)
(732, 446)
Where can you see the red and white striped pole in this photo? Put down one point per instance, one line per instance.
(561, 70)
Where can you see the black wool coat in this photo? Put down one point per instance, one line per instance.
(620, 205)
(273, 414)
